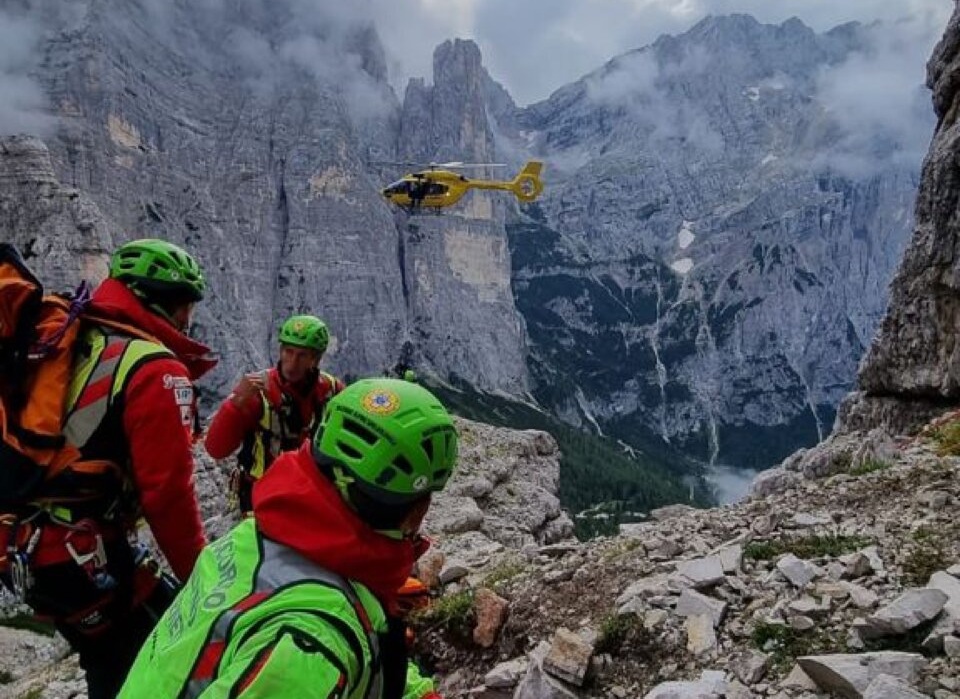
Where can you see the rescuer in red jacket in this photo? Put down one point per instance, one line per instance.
(130, 416)
(274, 410)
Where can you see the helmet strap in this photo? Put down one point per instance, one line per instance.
(383, 519)
(154, 307)
(343, 482)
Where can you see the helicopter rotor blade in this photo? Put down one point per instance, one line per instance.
(395, 163)
(459, 165)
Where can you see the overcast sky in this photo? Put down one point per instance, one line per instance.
(534, 47)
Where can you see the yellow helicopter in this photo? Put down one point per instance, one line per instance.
(439, 186)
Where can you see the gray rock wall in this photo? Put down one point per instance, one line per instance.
(243, 131)
(914, 361)
(59, 230)
(707, 261)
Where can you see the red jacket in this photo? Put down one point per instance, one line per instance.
(232, 423)
(158, 430)
(295, 505)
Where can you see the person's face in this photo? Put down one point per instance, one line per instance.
(297, 362)
(182, 316)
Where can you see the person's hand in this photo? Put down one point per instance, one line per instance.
(249, 387)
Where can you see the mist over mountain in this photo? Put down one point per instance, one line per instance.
(724, 208)
(713, 253)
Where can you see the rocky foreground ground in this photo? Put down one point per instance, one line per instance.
(832, 585)
(838, 578)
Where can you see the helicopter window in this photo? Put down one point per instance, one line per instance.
(398, 187)
(435, 189)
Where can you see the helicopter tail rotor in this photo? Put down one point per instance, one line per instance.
(527, 185)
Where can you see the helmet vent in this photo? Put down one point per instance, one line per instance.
(349, 451)
(402, 464)
(386, 475)
(441, 475)
(355, 428)
(427, 445)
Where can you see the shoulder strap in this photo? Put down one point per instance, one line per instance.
(100, 376)
(279, 568)
(118, 327)
(282, 565)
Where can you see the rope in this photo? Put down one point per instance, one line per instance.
(78, 302)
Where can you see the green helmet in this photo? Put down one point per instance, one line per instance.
(305, 331)
(391, 438)
(158, 269)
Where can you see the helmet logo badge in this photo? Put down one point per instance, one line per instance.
(421, 483)
(381, 402)
(298, 327)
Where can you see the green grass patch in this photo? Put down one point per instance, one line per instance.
(28, 622)
(762, 550)
(594, 470)
(502, 573)
(805, 547)
(842, 461)
(947, 438)
(620, 634)
(869, 466)
(451, 612)
(926, 554)
(785, 644)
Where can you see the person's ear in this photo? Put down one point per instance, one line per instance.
(411, 523)
(182, 315)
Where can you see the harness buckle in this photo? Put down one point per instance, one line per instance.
(21, 577)
(94, 560)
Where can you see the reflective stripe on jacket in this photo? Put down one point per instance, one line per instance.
(99, 377)
(257, 619)
(284, 423)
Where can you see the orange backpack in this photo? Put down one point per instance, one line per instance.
(37, 338)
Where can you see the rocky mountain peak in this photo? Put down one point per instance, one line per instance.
(719, 27)
(726, 205)
(447, 121)
(268, 181)
(364, 42)
(457, 60)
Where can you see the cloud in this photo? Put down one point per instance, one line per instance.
(537, 46)
(335, 43)
(633, 83)
(730, 484)
(876, 105)
(23, 104)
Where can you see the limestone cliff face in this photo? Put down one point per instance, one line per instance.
(465, 249)
(243, 130)
(59, 231)
(912, 369)
(697, 271)
(705, 264)
(910, 373)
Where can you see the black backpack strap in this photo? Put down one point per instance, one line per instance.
(393, 658)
